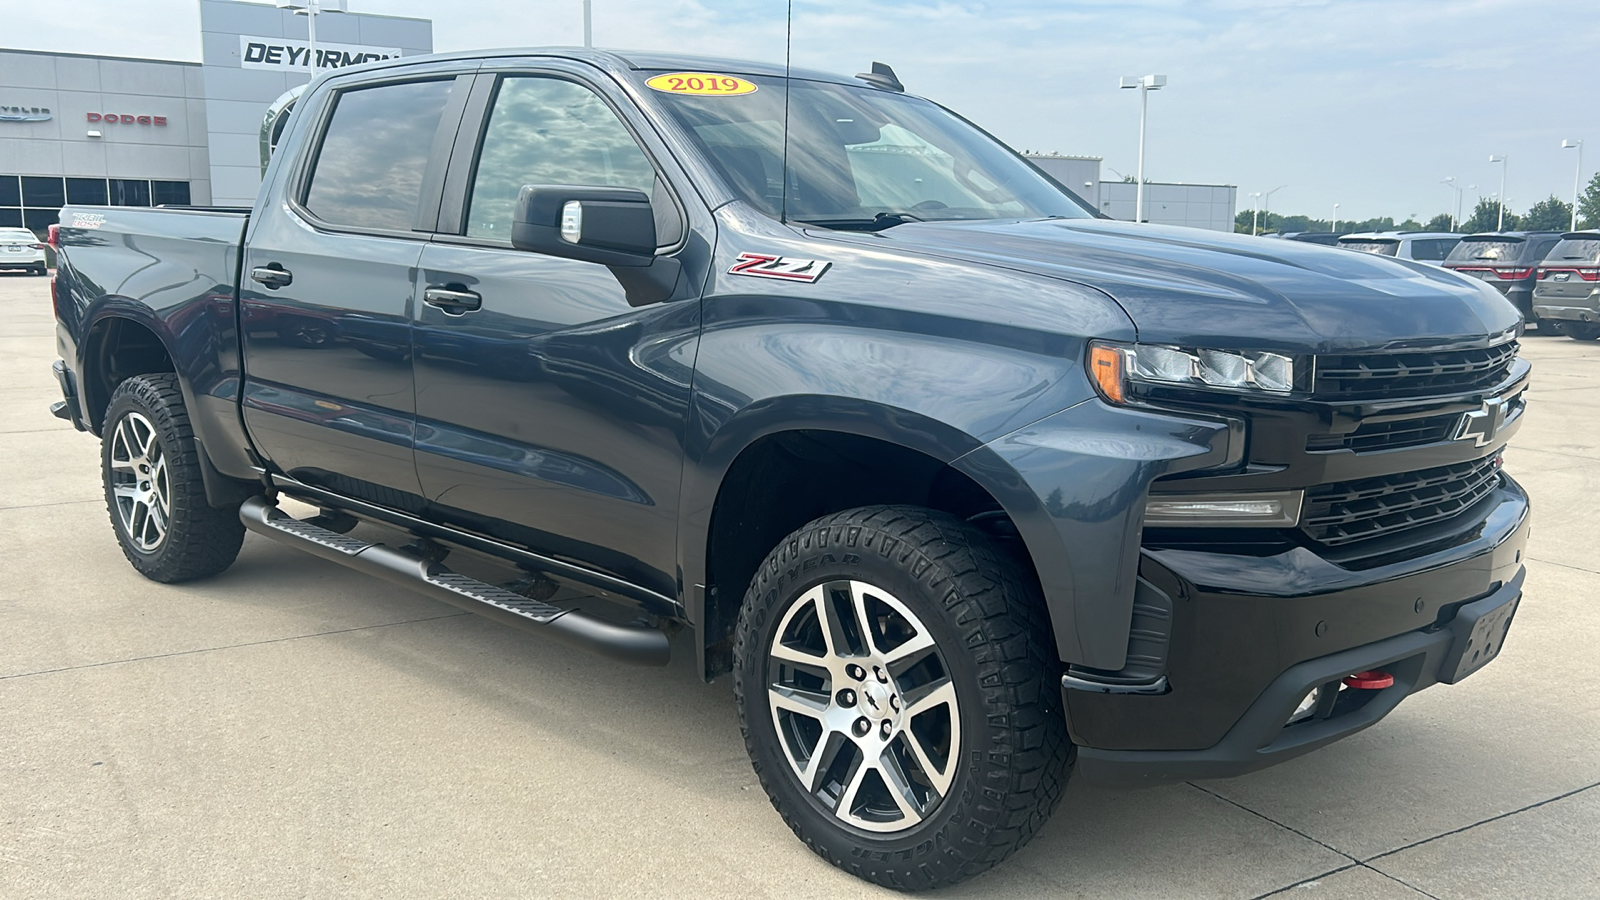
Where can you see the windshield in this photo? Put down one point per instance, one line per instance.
(863, 158)
(1380, 247)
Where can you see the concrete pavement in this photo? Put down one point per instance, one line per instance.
(291, 728)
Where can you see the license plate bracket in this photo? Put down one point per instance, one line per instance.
(1480, 633)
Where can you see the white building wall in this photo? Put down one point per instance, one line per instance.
(1209, 206)
(1081, 174)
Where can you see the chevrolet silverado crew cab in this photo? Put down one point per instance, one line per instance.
(815, 381)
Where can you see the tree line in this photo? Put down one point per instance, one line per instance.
(1549, 214)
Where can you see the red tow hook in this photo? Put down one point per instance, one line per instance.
(1373, 680)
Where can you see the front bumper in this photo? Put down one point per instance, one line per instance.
(1250, 636)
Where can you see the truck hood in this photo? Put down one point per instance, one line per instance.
(1203, 288)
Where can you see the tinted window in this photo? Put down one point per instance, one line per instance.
(175, 193)
(10, 217)
(1381, 248)
(1432, 248)
(549, 131)
(1576, 250)
(43, 192)
(1472, 250)
(86, 191)
(10, 192)
(130, 192)
(368, 171)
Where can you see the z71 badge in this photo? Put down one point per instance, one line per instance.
(765, 265)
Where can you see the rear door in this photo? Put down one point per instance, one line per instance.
(552, 414)
(329, 271)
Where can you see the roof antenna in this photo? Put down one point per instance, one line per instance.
(788, 43)
(882, 76)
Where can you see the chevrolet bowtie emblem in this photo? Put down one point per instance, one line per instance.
(1481, 425)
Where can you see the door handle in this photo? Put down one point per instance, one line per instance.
(273, 275)
(453, 302)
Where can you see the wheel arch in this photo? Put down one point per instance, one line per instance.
(840, 455)
(118, 344)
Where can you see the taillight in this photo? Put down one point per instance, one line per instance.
(1587, 274)
(37, 246)
(1512, 274)
(53, 236)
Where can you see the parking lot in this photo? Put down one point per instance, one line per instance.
(292, 728)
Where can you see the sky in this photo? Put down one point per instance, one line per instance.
(1369, 104)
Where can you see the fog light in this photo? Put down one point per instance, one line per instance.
(1267, 509)
(1306, 707)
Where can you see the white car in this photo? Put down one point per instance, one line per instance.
(1429, 247)
(22, 249)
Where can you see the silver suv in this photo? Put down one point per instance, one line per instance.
(1567, 294)
(1423, 246)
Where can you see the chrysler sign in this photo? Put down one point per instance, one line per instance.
(24, 114)
(287, 55)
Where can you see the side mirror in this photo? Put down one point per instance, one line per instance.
(606, 225)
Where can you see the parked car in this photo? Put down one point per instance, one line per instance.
(1328, 238)
(1421, 246)
(1567, 296)
(22, 249)
(968, 488)
(1507, 260)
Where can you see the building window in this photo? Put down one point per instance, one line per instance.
(86, 191)
(10, 218)
(10, 191)
(130, 192)
(169, 193)
(39, 220)
(37, 191)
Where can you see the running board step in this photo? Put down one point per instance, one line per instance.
(642, 646)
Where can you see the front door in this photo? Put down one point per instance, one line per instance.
(327, 290)
(550, 412)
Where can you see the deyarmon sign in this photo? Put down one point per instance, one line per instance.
(284, 55)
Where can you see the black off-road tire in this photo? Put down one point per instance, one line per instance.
(989, 625)
(1582, 331)
(199, 540)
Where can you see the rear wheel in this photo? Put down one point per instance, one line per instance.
(153, 487)
(897, 688)
(1582, 331)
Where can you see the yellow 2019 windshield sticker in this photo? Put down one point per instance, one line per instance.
(700, 84)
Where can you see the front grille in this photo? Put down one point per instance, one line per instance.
(1411, 373)
(1349, 511)
(1388, 435)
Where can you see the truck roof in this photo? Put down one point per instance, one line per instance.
(619, 61)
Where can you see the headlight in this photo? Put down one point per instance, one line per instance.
(1113, 366)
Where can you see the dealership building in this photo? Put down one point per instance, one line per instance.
(1209, 206)
(142, 132)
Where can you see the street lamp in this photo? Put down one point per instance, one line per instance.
(1500, 225)
(1455, 220)
(1145, 84)
(1576, 179)
(1335, 228)
(311, 9)
(588, 25)
(1266, 205)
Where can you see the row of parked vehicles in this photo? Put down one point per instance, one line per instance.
(1553, 279)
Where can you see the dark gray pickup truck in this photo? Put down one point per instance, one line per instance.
(818, 383)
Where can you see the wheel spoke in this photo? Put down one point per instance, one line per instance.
(797, 701)
(930, 697)
(858, 607)
(940, 778)
(833, 629)
(125, 491)
(821, 758)
(908, 653)
(146, 435)
(894, 778)
(847, 800)
(784, 653)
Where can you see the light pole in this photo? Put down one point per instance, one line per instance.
(1577, 179)
(588, 25)
(1266, 205)
(1145, 84)
(1335, 228)
(311, 9)
(1500, 225)
(1254, 203)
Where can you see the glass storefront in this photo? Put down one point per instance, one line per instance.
(34, 202)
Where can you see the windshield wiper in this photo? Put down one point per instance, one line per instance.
(878, 222)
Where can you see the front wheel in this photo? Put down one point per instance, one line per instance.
(153, 487)
(897, 688)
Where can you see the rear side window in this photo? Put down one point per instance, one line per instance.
(368, 171)
(1576, 250)
(1485, 251)
(1433, 248)
(550, 131)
